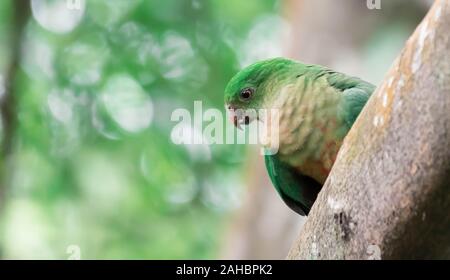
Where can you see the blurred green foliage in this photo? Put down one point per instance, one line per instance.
(93, 163)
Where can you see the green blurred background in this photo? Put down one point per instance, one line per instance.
(92, 163)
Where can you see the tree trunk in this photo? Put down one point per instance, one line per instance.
(21, 12)
(388, 194)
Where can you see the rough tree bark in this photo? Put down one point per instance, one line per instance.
(388, 194)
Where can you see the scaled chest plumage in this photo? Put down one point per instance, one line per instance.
(310, 132)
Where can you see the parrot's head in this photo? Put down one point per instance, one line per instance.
(251, 88)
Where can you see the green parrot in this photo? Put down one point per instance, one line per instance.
(317, 107)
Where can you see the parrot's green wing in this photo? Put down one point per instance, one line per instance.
(355, 93)
(298, 191)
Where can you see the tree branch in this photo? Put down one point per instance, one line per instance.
(388, 193)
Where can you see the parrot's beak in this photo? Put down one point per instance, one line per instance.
(234, 118)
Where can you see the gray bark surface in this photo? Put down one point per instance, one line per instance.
(388, 194)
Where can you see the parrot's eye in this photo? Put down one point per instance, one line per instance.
(246, 94)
